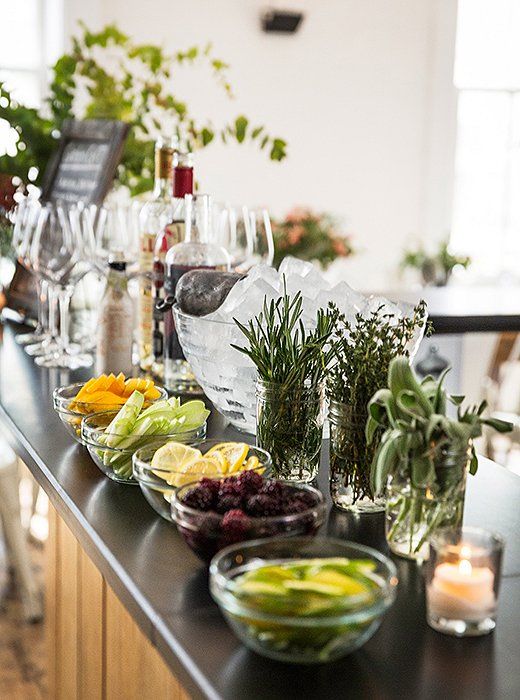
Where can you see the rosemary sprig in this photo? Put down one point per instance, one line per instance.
(282, 349)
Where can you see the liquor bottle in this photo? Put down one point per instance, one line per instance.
(150, 221)
(116, 323)
(195, 252)
(171, 232)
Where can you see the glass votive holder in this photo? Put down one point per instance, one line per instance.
(462, 581)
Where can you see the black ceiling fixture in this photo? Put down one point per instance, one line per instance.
(280, 21)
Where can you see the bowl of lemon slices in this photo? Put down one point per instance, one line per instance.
(162, 467)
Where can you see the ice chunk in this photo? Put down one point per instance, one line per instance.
(294, 266)
(266, 273)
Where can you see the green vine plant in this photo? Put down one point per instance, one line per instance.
(106, 75)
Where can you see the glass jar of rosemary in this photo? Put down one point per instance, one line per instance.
(415, 512)
(350, 460)
(289, 426)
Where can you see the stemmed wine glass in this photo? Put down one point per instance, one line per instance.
(114, 228)
(231, 233)
(260, 243)
(59, 254)
(23, 231)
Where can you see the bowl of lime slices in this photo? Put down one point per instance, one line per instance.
(303, 600)
(165, 465)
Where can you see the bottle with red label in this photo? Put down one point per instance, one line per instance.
(171, 232)
(150, 221)
(195, 252)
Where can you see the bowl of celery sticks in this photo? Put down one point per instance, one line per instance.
(112, 437)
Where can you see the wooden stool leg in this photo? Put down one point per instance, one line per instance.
(16, 541)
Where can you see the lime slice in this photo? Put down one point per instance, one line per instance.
(314, 587)
(347, 584)
(234, 452)
(262, 588)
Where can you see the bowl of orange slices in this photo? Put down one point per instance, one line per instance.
(162, 467)
(107, 392)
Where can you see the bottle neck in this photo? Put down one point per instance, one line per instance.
(182, 181)
(117, 280)
(163, 171)
(197, 219)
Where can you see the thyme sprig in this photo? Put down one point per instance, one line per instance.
(364, 350)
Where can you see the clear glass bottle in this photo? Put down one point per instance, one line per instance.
(171, 232)
(195, 252)
(150, 222)
(116, 323)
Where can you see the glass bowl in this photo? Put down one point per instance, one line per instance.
(226, 375)
(326, 628)
(63, 398)
(116, 462)
(158, 485)
(203, 531)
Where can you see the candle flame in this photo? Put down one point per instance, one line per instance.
(465, 552)
(465, 567)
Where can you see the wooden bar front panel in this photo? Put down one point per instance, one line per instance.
(95, 649)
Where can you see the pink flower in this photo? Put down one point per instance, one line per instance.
(295, 234)
(297, 214)
(340, 247)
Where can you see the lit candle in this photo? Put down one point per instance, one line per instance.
(462, 591)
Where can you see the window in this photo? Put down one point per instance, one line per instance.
(486, 205)
(31, 34)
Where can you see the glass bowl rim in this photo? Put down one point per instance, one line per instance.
(146, 466)
(89, 439)
(289, 518)
(191, 317)
(220, 589)
(58, 400)
(496, 540)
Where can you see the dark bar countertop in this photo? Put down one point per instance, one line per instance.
(467, 309)
(165, 587)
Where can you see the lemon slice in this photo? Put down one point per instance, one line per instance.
(252, 462)
(234, 452)
(174, 456)
(207, 466)
(222, 459)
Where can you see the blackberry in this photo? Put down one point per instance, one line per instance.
(212, 484)
(295, 505)
(261, 504)
(227, 502)
(200, 498)
(250, 482)
(235, 525)
(272, 488)
(229, 487)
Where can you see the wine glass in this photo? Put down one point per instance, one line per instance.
(59, 253)
(114, 229)
(260, 248)
(24, 227)
(231, 233)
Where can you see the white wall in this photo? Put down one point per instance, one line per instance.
(358, 93)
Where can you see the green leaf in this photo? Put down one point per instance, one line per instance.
(500, 426)
(278, 149)
(241, 128)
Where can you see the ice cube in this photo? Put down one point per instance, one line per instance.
(294, 266)
(266, 273)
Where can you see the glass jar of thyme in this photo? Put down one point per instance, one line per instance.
(415, 512)
(350, 461)
(289, 425)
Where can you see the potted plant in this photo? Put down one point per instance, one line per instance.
(423, 456)
(291, 362)
(436, 268)
(107, 75)
(363, 350)
(309, 236)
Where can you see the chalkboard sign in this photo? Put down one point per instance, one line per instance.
(85, 163)
(82, 170)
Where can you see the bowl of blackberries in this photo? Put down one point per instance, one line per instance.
(213, 513)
